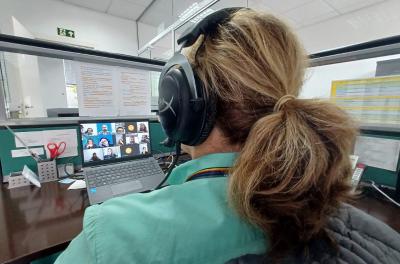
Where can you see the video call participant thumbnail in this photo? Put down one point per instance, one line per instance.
(129, 151)
(111, 153)
(119, 140)
(88, 130)
(94, 157)
(119, 128)
(144, 149)
(105, 141)
(90, 155)
(104, 129)
(143, 127)
(144, 138)
(130, 127)
(90, 143)
(132, 139)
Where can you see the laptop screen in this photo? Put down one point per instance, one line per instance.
(105, 142)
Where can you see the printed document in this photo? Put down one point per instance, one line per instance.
(378, 152)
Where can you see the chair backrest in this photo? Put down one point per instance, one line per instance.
(248, 259)
(360, 238)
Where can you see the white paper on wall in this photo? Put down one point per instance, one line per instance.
(112, 91)
(96, 90)
(134, 91)
(378, 152)
(42, 138)
(17, 153)
(34, 138)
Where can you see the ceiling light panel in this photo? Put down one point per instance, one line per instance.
(97, 5)
(311, 13)
(277, 6)
(126, 9)
(345, 6)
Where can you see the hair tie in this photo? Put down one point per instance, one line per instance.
(282, 101)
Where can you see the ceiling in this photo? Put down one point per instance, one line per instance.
(303, 13)
(127, 9)
(162, 13)
(300, 13)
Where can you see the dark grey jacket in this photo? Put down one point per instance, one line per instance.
(361, 239)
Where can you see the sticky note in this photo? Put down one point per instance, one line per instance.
(66, 181)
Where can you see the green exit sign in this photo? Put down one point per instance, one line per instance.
(66, 32)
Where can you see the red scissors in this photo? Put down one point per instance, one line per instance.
(56, 150)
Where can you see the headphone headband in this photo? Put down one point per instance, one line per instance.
(206, 26)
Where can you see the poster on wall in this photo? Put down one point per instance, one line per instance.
(370, 101)
(112, 91)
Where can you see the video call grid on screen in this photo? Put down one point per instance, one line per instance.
(110, 141)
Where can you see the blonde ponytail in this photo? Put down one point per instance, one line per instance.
(292, 172)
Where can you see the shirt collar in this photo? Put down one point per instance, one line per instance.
(180, 174)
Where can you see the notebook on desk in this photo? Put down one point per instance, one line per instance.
(117, 158)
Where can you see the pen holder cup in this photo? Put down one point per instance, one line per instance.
(47, 171)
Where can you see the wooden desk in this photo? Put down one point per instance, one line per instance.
(35, 222)
(38, 222)
(381, 209)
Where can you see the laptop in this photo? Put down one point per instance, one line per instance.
(117, 158)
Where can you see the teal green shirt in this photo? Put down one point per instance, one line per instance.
(187, 222)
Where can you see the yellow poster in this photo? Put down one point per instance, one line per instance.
(370, 101)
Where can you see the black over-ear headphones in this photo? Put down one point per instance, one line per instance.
(187, 114)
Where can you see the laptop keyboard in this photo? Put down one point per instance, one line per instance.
(122, 172)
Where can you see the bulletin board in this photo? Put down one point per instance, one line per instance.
(370, 101)
(7, 143)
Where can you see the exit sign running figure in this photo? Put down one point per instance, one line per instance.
(66, 32)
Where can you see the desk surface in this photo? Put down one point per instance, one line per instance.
(37, 222)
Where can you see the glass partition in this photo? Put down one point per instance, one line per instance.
(163, 16)
(4, 90)
(158, 17)
(363, 79)
(157, 25)
(42, 79)
(162, 49)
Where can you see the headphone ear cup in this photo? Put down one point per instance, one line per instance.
(173, 102)
(209, 116)
(209, 112)
(187, 113)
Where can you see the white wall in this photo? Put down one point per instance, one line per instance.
(378, 21)
(23, 76)
(98, 30)
(52, 82)
(319, 79)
